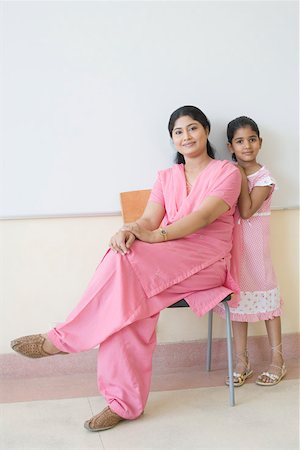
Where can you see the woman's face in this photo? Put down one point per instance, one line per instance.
(189, 137)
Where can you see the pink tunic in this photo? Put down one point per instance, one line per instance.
(160, 266)
(259, 296)
(120, 307)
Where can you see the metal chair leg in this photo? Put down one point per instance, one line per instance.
(229, 355)
(209, 340)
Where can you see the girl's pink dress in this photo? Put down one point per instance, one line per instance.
(259, 292)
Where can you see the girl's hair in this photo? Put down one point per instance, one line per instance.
(195, 114)
(240, 122)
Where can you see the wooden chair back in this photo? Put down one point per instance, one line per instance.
(133, 204)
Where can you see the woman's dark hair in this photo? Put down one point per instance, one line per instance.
(240, 122)
(195, 114)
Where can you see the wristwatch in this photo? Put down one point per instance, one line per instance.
(163, 233)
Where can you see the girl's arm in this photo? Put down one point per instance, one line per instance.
(211, 208)
(249, 203)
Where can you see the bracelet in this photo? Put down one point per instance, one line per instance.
(163, 233)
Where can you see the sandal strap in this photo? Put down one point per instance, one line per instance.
(243, 375)
(276, 350)
(278, 367)
(272, 376)
(243, 358)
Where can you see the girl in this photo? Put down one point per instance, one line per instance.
(259, 296)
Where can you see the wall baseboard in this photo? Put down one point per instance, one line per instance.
(167, 357)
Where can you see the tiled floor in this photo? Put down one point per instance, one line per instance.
(184, 419)
(188, 407)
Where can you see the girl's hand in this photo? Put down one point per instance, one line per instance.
(141, 233)
(243, 173)
(241, 169)
(122, 241)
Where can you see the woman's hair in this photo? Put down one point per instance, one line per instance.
(240, 122)
(195, 114)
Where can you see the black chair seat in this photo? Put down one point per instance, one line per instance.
(183, 303)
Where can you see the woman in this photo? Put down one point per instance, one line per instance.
(149, 267)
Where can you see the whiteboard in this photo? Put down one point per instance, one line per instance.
(88, 87)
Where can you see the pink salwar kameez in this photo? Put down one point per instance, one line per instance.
(120, 307)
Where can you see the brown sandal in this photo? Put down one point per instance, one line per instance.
(31, 346)
(105, 420)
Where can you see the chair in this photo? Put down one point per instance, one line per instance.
(132, 205)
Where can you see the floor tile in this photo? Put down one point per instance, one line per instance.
(47, 425)
(264, 418)
(191, 419)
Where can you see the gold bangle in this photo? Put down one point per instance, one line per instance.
(163, 233)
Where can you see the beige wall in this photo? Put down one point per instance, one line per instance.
(46, 264)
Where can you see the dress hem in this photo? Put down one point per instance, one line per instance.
(235, 317)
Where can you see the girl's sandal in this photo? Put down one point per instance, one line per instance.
(240, 378)
(31, 346)
(272, 378)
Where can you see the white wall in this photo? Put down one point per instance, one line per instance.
(86, 95)
(89, 87)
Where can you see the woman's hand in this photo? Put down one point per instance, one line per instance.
(122, 241)
(141, 233)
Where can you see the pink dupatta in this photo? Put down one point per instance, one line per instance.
(159, 266)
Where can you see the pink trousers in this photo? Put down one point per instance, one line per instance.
(115, 314)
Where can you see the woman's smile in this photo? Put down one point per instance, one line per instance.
(189, 137)
(189, 144)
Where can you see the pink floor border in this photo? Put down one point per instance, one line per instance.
(175, 366)
(166, 357)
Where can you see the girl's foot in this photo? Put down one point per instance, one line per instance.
(242, 370)
(276, 371)
(35, 346)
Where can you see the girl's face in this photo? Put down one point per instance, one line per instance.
(189, 137)
(245, 145)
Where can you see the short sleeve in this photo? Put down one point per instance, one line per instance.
(265, 179)
(228, 185)
(156, 194)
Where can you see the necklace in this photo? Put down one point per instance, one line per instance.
(188, 184)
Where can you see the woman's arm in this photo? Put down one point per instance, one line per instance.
(152, 216)
(149, 221)
(249, 203)
(211, 208)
